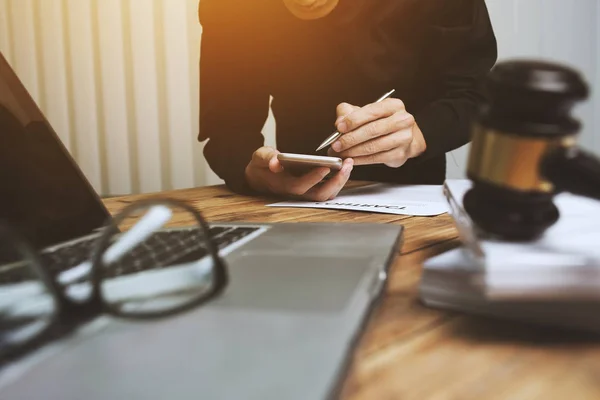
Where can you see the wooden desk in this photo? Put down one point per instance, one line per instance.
(412, 352)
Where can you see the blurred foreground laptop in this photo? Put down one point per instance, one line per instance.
(283, 328)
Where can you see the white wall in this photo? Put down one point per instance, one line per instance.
(118, 79)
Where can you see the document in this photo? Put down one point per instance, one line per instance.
(414, 200)
(552, 281)
(563, 263)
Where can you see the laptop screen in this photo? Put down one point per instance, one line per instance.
(43, 194)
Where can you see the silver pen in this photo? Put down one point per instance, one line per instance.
(336, 135)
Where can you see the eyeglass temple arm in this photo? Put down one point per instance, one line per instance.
(153, 220)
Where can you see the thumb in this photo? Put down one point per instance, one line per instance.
(262, 157)
(343, 110)
(275, 166)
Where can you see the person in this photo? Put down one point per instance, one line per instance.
(324, 63)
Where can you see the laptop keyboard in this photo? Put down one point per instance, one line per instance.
(179, 245)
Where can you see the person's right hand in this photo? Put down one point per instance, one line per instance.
(265, 174)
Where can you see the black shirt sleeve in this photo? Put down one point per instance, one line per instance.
(460, 50)
(234, 102)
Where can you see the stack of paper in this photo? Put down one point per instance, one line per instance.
(555, 280)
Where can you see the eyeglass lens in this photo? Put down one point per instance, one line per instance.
(157, 262)
(27, 307)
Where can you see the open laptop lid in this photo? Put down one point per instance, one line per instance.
(43, 193)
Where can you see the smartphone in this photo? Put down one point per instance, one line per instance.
(299, 164)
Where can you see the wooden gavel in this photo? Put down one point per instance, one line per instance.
(524, 150)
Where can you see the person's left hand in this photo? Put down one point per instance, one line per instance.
(379, 133)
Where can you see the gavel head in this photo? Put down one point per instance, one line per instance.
(527, 117)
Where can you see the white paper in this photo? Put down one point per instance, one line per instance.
(504, 281)
(576, 235)
(417, 200)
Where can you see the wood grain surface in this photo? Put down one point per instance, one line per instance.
(409, 351)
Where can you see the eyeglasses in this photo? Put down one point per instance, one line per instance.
(154, 259)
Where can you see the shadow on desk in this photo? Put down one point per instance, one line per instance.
(480, 329)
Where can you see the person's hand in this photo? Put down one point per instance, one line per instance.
(379, 133)
(265, 174)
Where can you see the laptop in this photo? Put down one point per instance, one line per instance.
(283, 328)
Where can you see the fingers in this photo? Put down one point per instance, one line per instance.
(299, 186)
(332, 187)
(263, 156)
(370, 113)
(332, 153)
(305, 186)
(383, 126)
(402, 138)
(343, 110)
(392, 158)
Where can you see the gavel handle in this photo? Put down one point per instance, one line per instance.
(573, 170)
